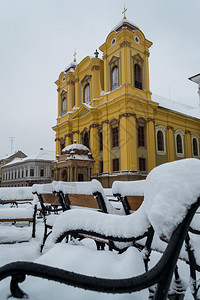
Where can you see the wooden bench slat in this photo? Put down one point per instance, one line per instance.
(134, 202)
(50, 198)
(82, 200)
(17, 220)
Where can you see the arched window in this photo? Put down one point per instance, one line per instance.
(63, 106)
(138, 76)
(86, 93)
(114, 78)
(195, 147)
(86, 140)
(160, 141)
(179, 146)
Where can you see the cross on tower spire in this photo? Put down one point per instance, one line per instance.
(125, 9)
(74, 56)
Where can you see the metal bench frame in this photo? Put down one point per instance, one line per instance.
(160, 274)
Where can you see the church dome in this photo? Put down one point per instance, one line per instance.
(77, 151)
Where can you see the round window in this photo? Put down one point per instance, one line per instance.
(137, 39)
(113, 42)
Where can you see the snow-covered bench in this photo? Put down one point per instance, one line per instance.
(16, 205)
(60, 196)
(171, 198)
(85, 195)
(13, 196)
(50, 205)
(130, 193)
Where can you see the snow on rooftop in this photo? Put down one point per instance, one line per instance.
(177, 106)
(45, 155)
(75, 146)
(125, 23)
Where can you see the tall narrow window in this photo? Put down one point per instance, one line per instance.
(141, 136)
(63, 106)
(86, 140)
(142, 164)
(160, 141)
(86, 93)
(138, 76)
(101, 167)
(179, 146)
(114, 77)
(195, 147)
(116, 164)
(31, 172)
(115, 137)
(100, 141)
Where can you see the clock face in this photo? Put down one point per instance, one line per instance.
(137, 39)
(113, 42)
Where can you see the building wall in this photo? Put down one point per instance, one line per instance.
(20, 174)
(127, 105)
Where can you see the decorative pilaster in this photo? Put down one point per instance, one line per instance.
(170, 143)
(151, 144)
(188, 144)
(76, 82)
(94, 146)
(106, 146)
(128, 143)
(96, 84)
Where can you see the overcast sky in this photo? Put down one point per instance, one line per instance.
(38, 39)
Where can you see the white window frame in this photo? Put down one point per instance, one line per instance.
(115, 78)
(195, 136)
(163, 130)
(86, 91)
(181, 133)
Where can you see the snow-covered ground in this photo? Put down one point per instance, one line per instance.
(82, 258)
(169, 191)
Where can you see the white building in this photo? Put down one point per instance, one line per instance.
(27, 171)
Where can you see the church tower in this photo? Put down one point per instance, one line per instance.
(106, 105)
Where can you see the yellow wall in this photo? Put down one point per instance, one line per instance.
(126, 105)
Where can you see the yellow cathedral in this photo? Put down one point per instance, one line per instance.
(107, 106)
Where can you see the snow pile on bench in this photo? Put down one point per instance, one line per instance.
(16, 193)
(170, 190)
(46, 188)
(16, 213)
(84, 188)
(128, 188)
(124, 226)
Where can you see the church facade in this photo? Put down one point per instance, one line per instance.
(106, 104)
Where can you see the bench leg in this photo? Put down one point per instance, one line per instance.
(34, 221)
(44, 237)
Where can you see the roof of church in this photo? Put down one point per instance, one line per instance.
(125, 24)
(181, 108)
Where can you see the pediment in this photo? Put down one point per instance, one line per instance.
(113, 59)
(81, 112)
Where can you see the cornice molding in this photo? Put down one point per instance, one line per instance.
(127, 115)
